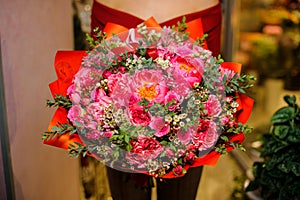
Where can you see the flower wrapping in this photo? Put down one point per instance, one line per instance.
(149, 100)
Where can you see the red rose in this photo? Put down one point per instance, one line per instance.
(139, 116)
(178, 170)
(106, 73)
(189, 158)
(122, 69)
(143, 149)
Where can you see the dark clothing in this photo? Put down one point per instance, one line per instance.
(211, 20)
(124, 185)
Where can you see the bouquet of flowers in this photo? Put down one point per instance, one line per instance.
(154, 101)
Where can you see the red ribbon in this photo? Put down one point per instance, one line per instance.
(67, 64)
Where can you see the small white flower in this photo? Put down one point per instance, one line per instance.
(176, 118)
(235, 104)
(183, 115)
(181, 124)
(168, 118)
(197, 102)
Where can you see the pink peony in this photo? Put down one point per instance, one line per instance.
(112, 81)
(73, 96)
(184, 50)
(160, 126)
(96, 111)
(185, 136)
(119, 90)
(99, 95)
(225, 120)
(187, 72)
(204, 140)
(182, 88)
(93, 134)
(92, 125)
(85, 77)
(75, 113)
(213, 106)
(173, 98)
(150, 84)
(134, 99)
(70, 89)
(197, 63)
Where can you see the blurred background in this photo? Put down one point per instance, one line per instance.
(262, 35)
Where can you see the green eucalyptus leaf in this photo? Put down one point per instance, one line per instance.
(224, 80)
(164, 143)
(55, 128)
(241, 90)
(225, 138)
(127, 138)
(128, 148)
(114, 137)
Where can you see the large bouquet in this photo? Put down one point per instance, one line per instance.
(151, 100)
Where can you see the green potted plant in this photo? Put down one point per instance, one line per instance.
(277, 174)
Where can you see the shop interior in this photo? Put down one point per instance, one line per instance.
(264, 36)
(265, 39)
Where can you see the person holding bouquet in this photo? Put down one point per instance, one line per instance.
(129, 13)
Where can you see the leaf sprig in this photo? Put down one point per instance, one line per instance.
(122, 140)
(181, 26)
(59, 130)
(238, 83)
(59, 100)
(76, 149)
(99, 35)
(200, 41)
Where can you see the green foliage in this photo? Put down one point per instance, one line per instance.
(99, 35)
(60, 100)
(201, 40)
(122, 140)
(181, 26)
(76, 149)
(224, 141)
(58, 130)
(238, 83)
(277, 176)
